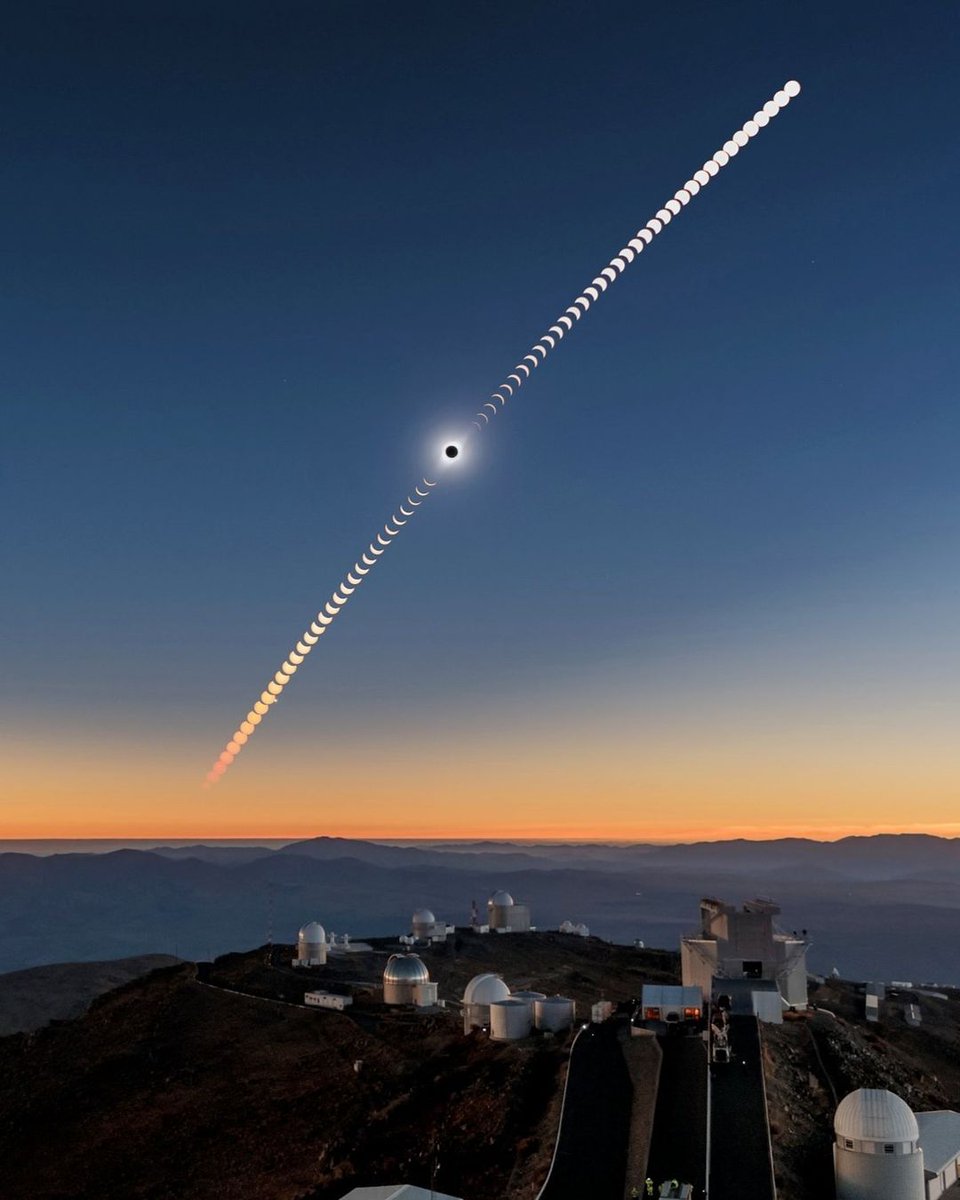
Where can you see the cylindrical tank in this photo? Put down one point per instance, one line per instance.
(876, 1151)
(553, 1013)
(478, 995)
(510, 1019)
(529, 998)
(423, 924)
(401, 976)
(312, 945)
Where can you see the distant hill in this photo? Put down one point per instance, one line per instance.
(30, 999)
(875, 907)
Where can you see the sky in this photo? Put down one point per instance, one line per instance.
(700, 579)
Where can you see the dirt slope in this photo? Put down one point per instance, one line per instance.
(175, 1087)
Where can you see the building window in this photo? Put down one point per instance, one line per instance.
(848, 1142)
(888, 1148)
(752, 969)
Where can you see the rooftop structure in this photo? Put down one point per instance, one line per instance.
(744, 944)
(940, 1143)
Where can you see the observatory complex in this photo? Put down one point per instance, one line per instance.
(884, 1151)
(745, 945)
(489, 1004)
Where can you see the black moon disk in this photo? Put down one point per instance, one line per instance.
(452, 451)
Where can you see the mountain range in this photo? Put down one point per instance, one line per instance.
(884, 906)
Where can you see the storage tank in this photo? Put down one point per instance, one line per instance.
(876, 1152)
(423, 924)
(554, 1013)
(529, 998)
(510, 1019)
(311, 946)
(401, 976)
(479, 994)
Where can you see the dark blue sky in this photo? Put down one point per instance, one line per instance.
(257, 258)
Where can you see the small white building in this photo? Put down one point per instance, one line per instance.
(576, 928)
(332, 1000)
(669, 1004)
(311, 946)
(883, 1150)
(478, 995)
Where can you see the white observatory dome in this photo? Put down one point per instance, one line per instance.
(485, 989)
(311, 946)
(423, 916)
(875, 1115)
(501, 900)
(405, 968)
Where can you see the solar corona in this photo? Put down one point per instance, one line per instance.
(454, 450)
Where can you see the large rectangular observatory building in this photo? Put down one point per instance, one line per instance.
(744, 944)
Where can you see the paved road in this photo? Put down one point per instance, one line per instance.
(678, 1149)
(591, 1159)
(739, 1145)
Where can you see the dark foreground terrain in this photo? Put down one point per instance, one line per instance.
(210, 1081)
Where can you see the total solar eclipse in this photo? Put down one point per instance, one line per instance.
(507, 390)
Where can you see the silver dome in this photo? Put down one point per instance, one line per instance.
(405, 968)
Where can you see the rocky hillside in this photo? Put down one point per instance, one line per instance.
(212, 1083)
(814, 1060)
